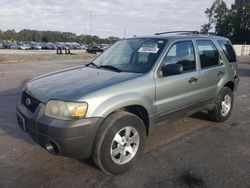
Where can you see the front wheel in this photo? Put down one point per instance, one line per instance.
(223, 105)
(119, 142)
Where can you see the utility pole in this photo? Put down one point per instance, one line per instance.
(84, 26)
(90, 21)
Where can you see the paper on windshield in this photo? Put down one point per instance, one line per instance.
(152, 50)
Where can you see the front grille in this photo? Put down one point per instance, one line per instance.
(30, 102)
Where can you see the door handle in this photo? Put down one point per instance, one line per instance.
(220, 73)
(193, 80)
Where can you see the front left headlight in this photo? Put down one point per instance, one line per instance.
(66, 110)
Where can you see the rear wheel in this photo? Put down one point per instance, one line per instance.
(223, 105)
(119, 142)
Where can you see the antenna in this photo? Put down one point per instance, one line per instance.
(125, 32)
(168, 32)
(90, 21)
(84, 26)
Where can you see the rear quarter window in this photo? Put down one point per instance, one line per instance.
(228, 50)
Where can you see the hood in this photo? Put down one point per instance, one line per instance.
(74, 83)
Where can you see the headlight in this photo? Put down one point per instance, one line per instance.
(66, 110)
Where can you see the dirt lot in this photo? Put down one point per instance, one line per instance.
(190, 152)
(17, 56)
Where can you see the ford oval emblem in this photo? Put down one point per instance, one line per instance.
(27, 101)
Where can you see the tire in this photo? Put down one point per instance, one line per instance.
(128, 153)
(223, 105)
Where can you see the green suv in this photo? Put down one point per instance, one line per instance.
(104, 110)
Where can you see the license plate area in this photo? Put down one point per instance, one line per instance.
(21, 121)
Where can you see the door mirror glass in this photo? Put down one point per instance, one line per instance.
(172, 69)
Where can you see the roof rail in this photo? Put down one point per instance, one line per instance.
(211, 33)
(191, 32)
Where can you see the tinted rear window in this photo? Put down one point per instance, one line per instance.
(209, 55)
(228, 50)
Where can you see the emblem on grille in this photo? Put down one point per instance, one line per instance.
(27, 101)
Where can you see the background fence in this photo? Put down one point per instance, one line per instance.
(242, 50)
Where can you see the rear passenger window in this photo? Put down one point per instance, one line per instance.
(182, 53)
(228, 50)
(209, 55)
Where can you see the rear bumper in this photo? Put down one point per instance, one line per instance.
(68, 138)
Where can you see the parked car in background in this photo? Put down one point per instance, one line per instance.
(24, 47)
(7, 45)
(83, 46)
(14, 46)
(36, 47)
(94, 49)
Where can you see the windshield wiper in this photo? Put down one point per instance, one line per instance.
(91, 63)
(110, 67)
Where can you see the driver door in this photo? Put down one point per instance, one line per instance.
(178, 92)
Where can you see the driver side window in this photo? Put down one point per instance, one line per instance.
(181, 53)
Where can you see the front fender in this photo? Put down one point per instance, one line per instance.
(103, 106)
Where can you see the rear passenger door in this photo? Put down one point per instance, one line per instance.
(212, 69)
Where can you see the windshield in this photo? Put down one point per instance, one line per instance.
(131, 55)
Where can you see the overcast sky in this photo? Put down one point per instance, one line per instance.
(109, 18)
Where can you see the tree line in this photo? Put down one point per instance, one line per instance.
(53, 36)
(233, 22)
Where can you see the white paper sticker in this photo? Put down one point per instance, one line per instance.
(152, 50)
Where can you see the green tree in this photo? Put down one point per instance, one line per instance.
(233, 23)
(241, 12)
(10, 35)
(216, 15)
(1, 35)
(209, 13)
(53, 36)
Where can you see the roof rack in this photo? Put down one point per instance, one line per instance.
(211, 33)
(187, 32)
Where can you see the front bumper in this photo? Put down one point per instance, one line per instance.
(72, 138)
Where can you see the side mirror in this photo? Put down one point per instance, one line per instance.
(172, 69)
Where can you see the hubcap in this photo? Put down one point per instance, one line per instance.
(124, 145)
(226, 105)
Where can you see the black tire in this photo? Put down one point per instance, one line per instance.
(216, 113)
(102, 146)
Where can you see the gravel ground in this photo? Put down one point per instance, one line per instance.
(17, 56)
(189, 152)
